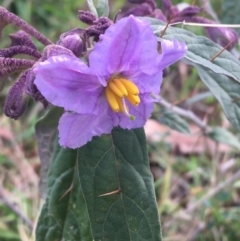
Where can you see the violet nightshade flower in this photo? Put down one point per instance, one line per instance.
(116, 89)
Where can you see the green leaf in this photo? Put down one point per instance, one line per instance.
(201, 50)
(230, 12)
(225, 91)
(119, 163)
(100, 8)
(92, 7)
(64, 214)
(46, 131)
(75, 210)
(174, 121)
(217, 75)
(224, 136)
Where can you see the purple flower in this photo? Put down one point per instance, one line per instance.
(116, 89)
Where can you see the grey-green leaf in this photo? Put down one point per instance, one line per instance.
(224, 136)
(100, 8)
(174, 121)
(116, 166)
(226, 91)
(230, 12)
(92, 7)
(201, 50)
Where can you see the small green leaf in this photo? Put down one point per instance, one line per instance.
(92, 7)
(174, 121)
(230, 12)
(46, 132)
(118, 164)
(102, 8)
(224, 136)
(226, 92)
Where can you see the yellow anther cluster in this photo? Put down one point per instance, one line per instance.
(119, 88)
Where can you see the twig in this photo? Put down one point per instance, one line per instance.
(15, 209)
(187, 114)
(213, 192)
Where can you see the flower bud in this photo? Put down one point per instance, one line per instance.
(23, 39)
(74, 40)
(86, 17)
(31, 88)
(17, 99)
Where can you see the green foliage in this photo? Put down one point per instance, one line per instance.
(174, 121)
(80, 183)
(221, 75)
(223, 136)
(230, 12)
(99, 8)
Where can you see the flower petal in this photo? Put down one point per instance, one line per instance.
(172, 51)
(75, 130)
(125, 47)
(142, 112)
(67, 82)
(148, 83)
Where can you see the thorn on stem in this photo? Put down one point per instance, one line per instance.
(165, 29)
(215, 56)
(110, 193)
(69, 190)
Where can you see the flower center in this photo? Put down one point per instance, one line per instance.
(119, 89)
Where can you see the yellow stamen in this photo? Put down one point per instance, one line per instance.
(130, 86)
(120, 104)
(112, 101)
(120, 86)
(133, 99)
(115, 89)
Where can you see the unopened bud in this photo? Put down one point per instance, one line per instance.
(20, 38)
(17, 99)
(86, 17)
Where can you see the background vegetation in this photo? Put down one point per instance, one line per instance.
(196, 179)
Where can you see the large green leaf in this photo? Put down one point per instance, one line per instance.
(75, 208)
(119, 162)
